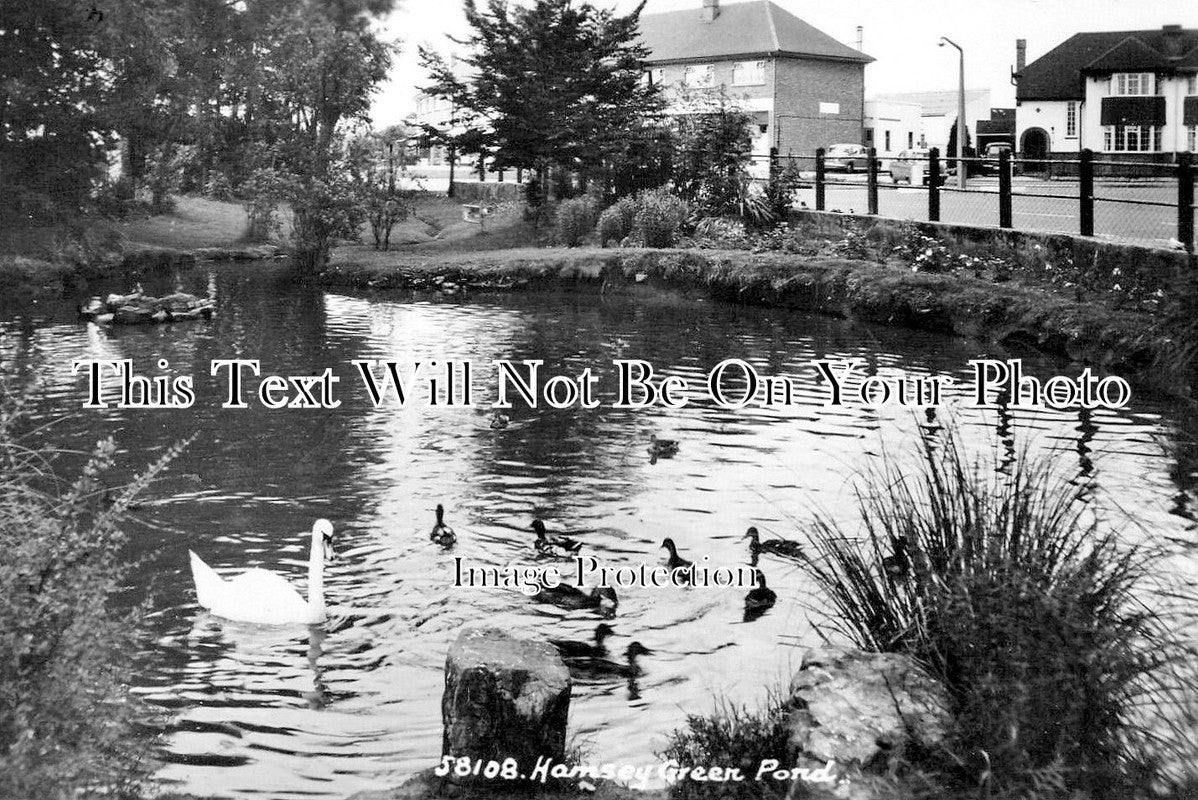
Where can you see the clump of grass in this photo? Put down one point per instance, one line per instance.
(1029, 609)
(732, 736)
(68, 723)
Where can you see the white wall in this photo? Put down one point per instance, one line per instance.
(902, 120)
(1050, 115)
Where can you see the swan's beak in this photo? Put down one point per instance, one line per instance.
(329, 553)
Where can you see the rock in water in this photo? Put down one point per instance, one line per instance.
(504, 698)
(860, 711)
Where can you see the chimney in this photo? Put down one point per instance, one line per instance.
(711, 10)
(1173, 41)
(1020, 54)
(860, 39)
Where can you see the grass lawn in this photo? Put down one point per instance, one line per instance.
(196, 222)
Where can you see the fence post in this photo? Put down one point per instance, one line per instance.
(934, 185)
(1004, 189)
(1085, 190)
(819, 179)
(871, 182)
(1185, 201)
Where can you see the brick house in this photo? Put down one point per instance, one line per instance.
(1127, 95)
(804, 89)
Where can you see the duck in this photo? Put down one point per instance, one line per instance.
(597, 649)
(260, 596)
(500, 420)
(662, 448)
(676, 561)
(779, 547)
(899, 564)
(600, 599)
(549, 544)
(597, 667)
(441, 533)
(761, 596)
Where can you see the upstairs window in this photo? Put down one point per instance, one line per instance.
(1071, 119)
(1132, 83)
(748, 73)
(1192, 84)
(654, 77)
(698, 76)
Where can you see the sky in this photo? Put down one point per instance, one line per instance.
(902, 36)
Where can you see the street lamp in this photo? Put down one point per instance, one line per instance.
(960, 113)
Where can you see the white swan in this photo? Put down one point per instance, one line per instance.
(257, 595)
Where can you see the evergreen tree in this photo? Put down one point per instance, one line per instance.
(554, 86)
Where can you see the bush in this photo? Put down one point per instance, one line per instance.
(575, 218)
(731, 737)
(659, 217)
(1029, 611)
(117, 199)
(68, 722)
(617, 221)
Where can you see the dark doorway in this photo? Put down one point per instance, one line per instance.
(1033, 147)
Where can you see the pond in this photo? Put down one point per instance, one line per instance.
(355, 704)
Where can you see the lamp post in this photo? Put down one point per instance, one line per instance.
(960, 113)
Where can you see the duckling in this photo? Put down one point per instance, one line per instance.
(500, 421)
(597, 667)
(442, 534)
(570, 649)
(761, 597)
(676, 561)
(600, 599)
(549, 545)
(779, 547)
(662, 448)
(899, 564)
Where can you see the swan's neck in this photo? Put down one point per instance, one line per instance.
(316, 576)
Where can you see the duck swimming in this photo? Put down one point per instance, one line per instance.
(598, 667)
(760, 597)
(779, 547)
(441, 533)
(600, 599)
(550, 544)
(571, 649)
(675, 561)
(662, 448)
(499, 421)
(258, 595)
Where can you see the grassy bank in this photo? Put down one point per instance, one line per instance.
(1130, 341)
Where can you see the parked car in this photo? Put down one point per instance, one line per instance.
(989, 166)
(909, 161)
(846, 158)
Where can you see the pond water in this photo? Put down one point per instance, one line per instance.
(355, 704)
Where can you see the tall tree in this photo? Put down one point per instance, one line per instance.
(557, 84)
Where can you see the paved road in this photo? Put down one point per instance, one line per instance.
(1035, 205)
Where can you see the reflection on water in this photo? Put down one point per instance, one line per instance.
(355, 704)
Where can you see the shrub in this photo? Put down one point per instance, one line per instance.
(575, 218)
(731, 737)
(1028, 610)
(617, 221)
(659, 217)
(68, 722)
(117, 199)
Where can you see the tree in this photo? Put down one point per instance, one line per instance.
(951, 148)
(713, 155)
(556, 86)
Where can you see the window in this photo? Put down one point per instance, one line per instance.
(1131, 138)
(654, 77)
(698, 76)
(748, 73)
(910, 140)
(887, 148)
(1192, 138)
(1192, 85)
(1071, 119)
(1132, 83)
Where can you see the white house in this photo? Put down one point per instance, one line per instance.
(938, 112)
(1130, 94)
(892, 127)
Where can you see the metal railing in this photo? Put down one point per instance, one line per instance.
(1150, 202)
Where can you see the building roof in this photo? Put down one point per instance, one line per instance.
(937, 104)
(1058, 74)
(757, 28)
